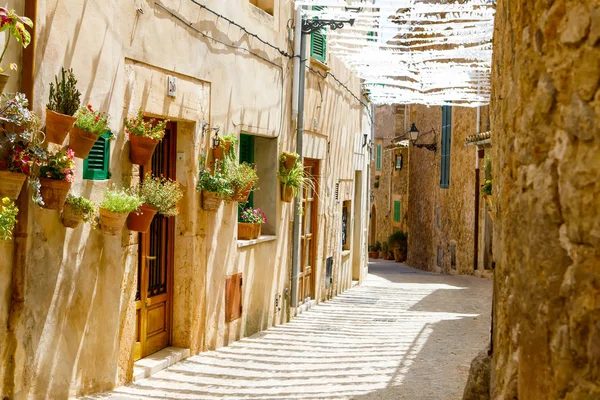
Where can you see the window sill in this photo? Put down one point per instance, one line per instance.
(261, 239)
(319, 65)
(346, 253)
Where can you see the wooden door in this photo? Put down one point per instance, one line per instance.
(308, 232)
(155, 262)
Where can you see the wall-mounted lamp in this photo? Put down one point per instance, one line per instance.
(414, 134)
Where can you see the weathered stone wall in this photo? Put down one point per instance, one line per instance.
(546, 123)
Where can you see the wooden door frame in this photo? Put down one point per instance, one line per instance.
(139, 347)
(315, 163)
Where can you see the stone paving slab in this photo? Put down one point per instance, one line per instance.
(403, 334)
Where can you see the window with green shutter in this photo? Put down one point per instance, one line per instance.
(446, 142)
(378, 157)
(318, 42)
(397, 210)
(246, 155)
(95, 166)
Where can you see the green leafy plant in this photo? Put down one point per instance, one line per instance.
(8, 218)
(398, 239)
(83, 207)
(242, 177)
(216, 182)
(121, 200)
(486, 188)
(151, 128)
(59, 166)
(162, 193)
(64, 96)
(253, 216)
(14, 110)
(92, 121)
(377, 246)
(293, 177)
(16, 27)
(385, 247)
(231, 155)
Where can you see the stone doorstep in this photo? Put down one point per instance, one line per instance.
(158, 361)
(303, 308)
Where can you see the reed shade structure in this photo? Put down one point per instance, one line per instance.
(411, 51)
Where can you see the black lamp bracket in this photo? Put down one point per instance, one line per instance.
(314, 25)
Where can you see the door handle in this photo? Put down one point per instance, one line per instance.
(150, 257)
(147, 302)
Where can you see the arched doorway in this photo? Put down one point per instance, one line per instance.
(373, 225)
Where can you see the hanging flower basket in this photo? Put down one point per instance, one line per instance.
(70, 218)
(290, 160)
(140, 221)
(11, 184)
(247, 231)
(54, 193)
(287, 194)
(58, 126)
(81, 142)
(219, 151)
(211, 201)
(242, 195)
(112, 223)
(141, 149)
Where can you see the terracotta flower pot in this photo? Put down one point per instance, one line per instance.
(247, 231)
(218, 152)
(140, 221)
(286, 193)
(241, 196)
(11, 184)
(81, 142)
(290, 160)
(54, 193)
(70, 218)
(3, 81)
(58, 126)
(211, 201)
(373, 254)
(112, 223)
(141, 149)
(399, 255)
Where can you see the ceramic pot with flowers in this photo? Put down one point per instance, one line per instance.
(250, 223)
(144, 135)
(56, 175)
(63, 103)
(88, 127)
(15, 168)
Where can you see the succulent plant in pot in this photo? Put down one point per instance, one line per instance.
(243, 179)
(144, 135)
(15, 25)
(89, 125)
(57, 172)
(160, 195)
(78, 209)
(8, 218)
(63, 103)
(115, 208)
(250, 223)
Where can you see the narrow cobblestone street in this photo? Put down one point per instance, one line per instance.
(404, 334)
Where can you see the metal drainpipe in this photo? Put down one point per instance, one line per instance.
(296, 80)
(477, 178)
(20, 233)
(298, 201)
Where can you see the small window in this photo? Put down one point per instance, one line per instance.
(318, 42)
(267, 6)
(397, 211)
(328, 271)
(345, 223)
(398, 162)
(233, 297)
(95, 166)
(453, 255)
(446, 142)
(378, 157)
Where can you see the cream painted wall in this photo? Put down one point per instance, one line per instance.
(76, 332)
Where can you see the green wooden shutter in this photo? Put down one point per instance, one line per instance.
(446, 142)
(397, 210)
(95, 166)
(378, 157)
(318, 42)
(247, 155)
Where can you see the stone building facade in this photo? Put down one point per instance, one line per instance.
(68, 310)
(546, 126)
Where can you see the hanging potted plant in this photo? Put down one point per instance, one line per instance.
(289, 159)
(63, 104)
(250, 223)
(56, 175)
(143, 137)
(115, 208)
(243, 180)
(291, 179)
(15, 25)
(77, 210)
(224, 147)
(89, 125)
(160, 195)
(214, 187)
(8, 218)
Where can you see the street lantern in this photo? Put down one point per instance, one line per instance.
(413, 132)
(216, 140)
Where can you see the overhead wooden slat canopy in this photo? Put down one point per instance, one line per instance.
(431, 52)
